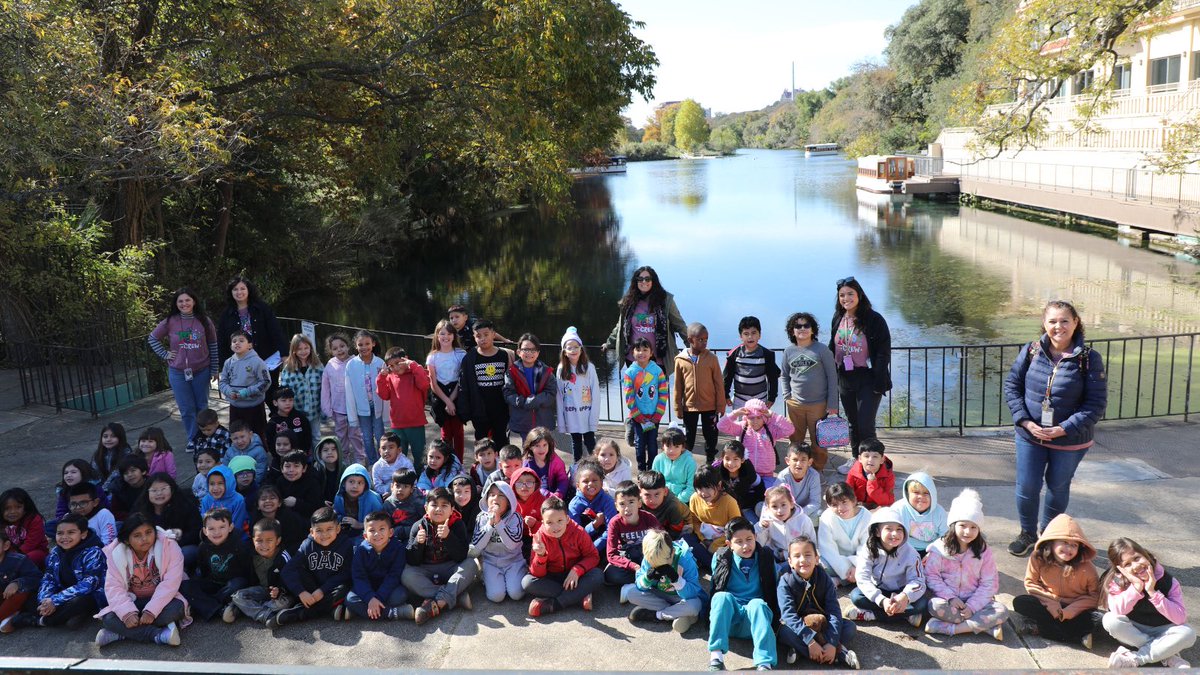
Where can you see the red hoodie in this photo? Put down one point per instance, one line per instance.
(407, 393)
(533, 505)
(574, 550)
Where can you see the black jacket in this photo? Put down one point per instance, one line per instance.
(723, 563)
(879, 348)
(267, 335)
(730, 371)
(818, 595)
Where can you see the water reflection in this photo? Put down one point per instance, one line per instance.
(686, 184)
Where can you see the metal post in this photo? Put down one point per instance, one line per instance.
(1187, 391)
(962, 389)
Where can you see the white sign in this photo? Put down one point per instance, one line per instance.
(309, 329)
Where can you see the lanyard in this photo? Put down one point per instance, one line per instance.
(1050, 380)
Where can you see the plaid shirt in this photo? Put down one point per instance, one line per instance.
(218, 442)
(307, 386)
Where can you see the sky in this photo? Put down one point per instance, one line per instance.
(735, 56)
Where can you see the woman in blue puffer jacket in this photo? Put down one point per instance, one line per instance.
(1057, 391)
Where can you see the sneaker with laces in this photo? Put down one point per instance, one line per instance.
(764, 666)
(791, 656)
(1175, 661)
(169, 635)
(914, 620)
(1023, 544)
(402, 612)
(106, 637)
(230, 613)
(716, 664)
(540, 606)
(285, 616)
(1086, 641)
(1122, 658)
(624, 598)
(857, 614)
(848, 658)
(682, 624)
(641, 614)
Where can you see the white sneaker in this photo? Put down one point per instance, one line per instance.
(1176, 661)
(625, 593)
(106, 637)
(682, 624)
(1122, 658)
(169, 635)
(229, 615)
(856, 614)
(915, 620)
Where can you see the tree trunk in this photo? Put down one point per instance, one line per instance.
(225, 214)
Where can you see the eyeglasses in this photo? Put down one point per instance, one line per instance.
(527, 483)
(572, 348)
(644, 280)
(843, 282)
(78, 506)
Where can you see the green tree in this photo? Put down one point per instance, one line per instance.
(691, 129)
(666, 125)
(725, 140)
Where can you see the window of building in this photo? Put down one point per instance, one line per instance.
(1165, 70)
(1122, 76)
(1083, 80)
(1196, 65)
(1058, 89)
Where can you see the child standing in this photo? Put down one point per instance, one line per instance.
(578, 386)
(745, 600)
(1145, 609)
(482, 382)
(811, 621)
(623, 554)
(1062, 585)
(210, 434)
(439, 571)
(920, 513)
(333, 389)
(541, 457)
(153, 445)
(264, 601)
(244, 382)
(404, 384)
(676, 465)
(591, 507)
(810, 383)
(780, 523)
(617, 469)
(144, 572)
(802, 479)
(563, 563)
(672, 515)
(699, 390)
(891, 582)
(871, 476)
(645, 388)
(319, 574)
(962, 576)
(757, 428)
(750, 370)
(391, 460)
(711, 510)
(375, 573)
(667, 584)
(24, 526)
(287, 419)
(364, 408)
(444, 363)
(530, 389)
(72, 590)
(497, 541)
(842, 532)
(301, 372)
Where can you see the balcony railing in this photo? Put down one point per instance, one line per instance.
(1133, 185)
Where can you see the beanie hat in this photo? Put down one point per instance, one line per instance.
(242, 463)
(966, 506)
(756, 408)
(571, 334)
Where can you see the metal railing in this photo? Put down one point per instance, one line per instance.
(93, 379)
(952, 386)
(1130, 184)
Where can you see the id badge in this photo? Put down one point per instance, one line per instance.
(847, 362)
(1047, 414)
(187, 374)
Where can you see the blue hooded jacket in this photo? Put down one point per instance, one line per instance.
(923, 528)
(87, 563)
(377, 575)
(231, 500)
(368, 501)
(1079, 395)
(254, 451)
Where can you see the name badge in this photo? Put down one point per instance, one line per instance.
(848, 362)
(1047, 414)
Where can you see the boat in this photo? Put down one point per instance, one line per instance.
(883, 174)
(818, 149)
(615, 164)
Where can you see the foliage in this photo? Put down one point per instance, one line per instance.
(724, 140)
(666, 123)
(650, 150)
(691, 129)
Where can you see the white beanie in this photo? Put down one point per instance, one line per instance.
(571, 334)
(966, 506)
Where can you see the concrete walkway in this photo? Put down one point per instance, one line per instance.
(1140, 480)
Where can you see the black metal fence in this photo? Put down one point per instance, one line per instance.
(955, 386)
(96, 379)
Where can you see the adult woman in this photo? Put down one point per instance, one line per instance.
(190, 353)
(173, 510)
(1056, 391)
(246, 311)
(649, 311)
(145, 568)
(862, 352)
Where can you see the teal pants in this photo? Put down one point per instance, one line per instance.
(412, 441)
(729, 618)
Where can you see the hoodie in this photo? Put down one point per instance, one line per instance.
(531, 507)
(404, 513)
(306, 490)
(806, 492)
(499, 545)
(775, 535)
(674, 516)
(330, 480)
(923, 528)
(574, 550)
(1163, 607)
(964, 576)
(678, 473)
(248, 376)
(75, 573)
(435, 550)
(405, 394)
(254, 451)
(645, 391)
(375, 574)
(368, 501)
(760, 445)
(231, 500)
(530, 407)
(166, 556)
(319, 567)
(580, 508)
(873, 493)
(838, 540)
(429, 478)
(800, 597)
(622, 472)
(882, 574)
(554, 477)
(683, 559)
(1075, 588)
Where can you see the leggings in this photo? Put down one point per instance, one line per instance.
(708, 424)
(1152, 643)
(582, 444)
(991, 615)
(1071, 630)
(174, 611)
(860, 404)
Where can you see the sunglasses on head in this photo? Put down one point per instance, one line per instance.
(843, 282)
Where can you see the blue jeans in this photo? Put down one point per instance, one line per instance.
(190, 397)
(358, 604)
(1037, 464)
(371, 428)
(646, 443)
(729, 618)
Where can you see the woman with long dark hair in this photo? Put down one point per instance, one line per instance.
(190, 351)
(862, 352)
(649, 311)
(245, 310)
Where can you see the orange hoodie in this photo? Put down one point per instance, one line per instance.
(1074, 588)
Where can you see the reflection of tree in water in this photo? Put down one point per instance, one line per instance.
(931, 287)
(686, 184)
(536, 271)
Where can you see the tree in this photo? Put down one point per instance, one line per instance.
(666, 123)
(691, 129)
(725, 140)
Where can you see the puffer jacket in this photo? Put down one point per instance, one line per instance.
(1079, 394)
(87, 563)
(574, 550)
(964, 576)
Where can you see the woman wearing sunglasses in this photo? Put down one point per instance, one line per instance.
(862, 352)
(648, 311)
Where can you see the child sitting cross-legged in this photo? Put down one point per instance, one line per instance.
(667, 585)
(19, 579)
(711, 510)
(391, 459)
(843, 531)
(920, 512)
(270, 596)
(72, 589)
(625, 533)
(141, 584)
(376, 571)
(962, 576)
(319, 574)
(891, 581)
(563, 563)
(781, 522)
(439, 571)
(223, 567)
(617, 469)
(1145, 609)
(591, 506)
(298, 486)
(1061, 584)
(811, 622)
(745, 600)
(498, 539)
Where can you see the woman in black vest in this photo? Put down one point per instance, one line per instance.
(862, 348)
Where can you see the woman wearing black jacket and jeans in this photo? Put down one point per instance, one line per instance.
(862, 349)
(246, 311)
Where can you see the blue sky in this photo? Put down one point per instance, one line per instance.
(734, 56)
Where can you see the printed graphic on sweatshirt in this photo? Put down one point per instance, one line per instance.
(325, 560)
(490, 374)
(189, 338)
(219, 564)
(802, 363)
(923, 530)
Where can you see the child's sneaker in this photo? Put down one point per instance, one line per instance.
(682, 624)
(937, 627)
(285, 616)
(625, 593)
(8, 625)
(1176, 661)
(716, 662)
(848, 658)
(1087, 642)
(464, 600)
(1122, 658)
(230, 613)
(791, 656)
(339, 613)
(857, 614)
(1025, 625)
(640, 614)
(998, 633)
(402, 612)
(587, 603)
(169, 635)
(106, 637)
(764, 666)
(540, 606)
(915, 620)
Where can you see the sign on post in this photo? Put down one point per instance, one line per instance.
(309, 329)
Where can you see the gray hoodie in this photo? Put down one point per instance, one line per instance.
(499, 545)
(889, 573)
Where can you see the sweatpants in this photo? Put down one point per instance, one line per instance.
(729, 618)
(1152, 643)
(708, 424)
(672, 606)
(500, 582)
(1072, 630)
(991, 615)
(442, 582)
(358, 605)
(551, 587)
(256, 603)
(174, 611)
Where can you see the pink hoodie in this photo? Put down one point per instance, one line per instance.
(167, 557)
(963, 576)
(1170, 605)
(760, 451)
